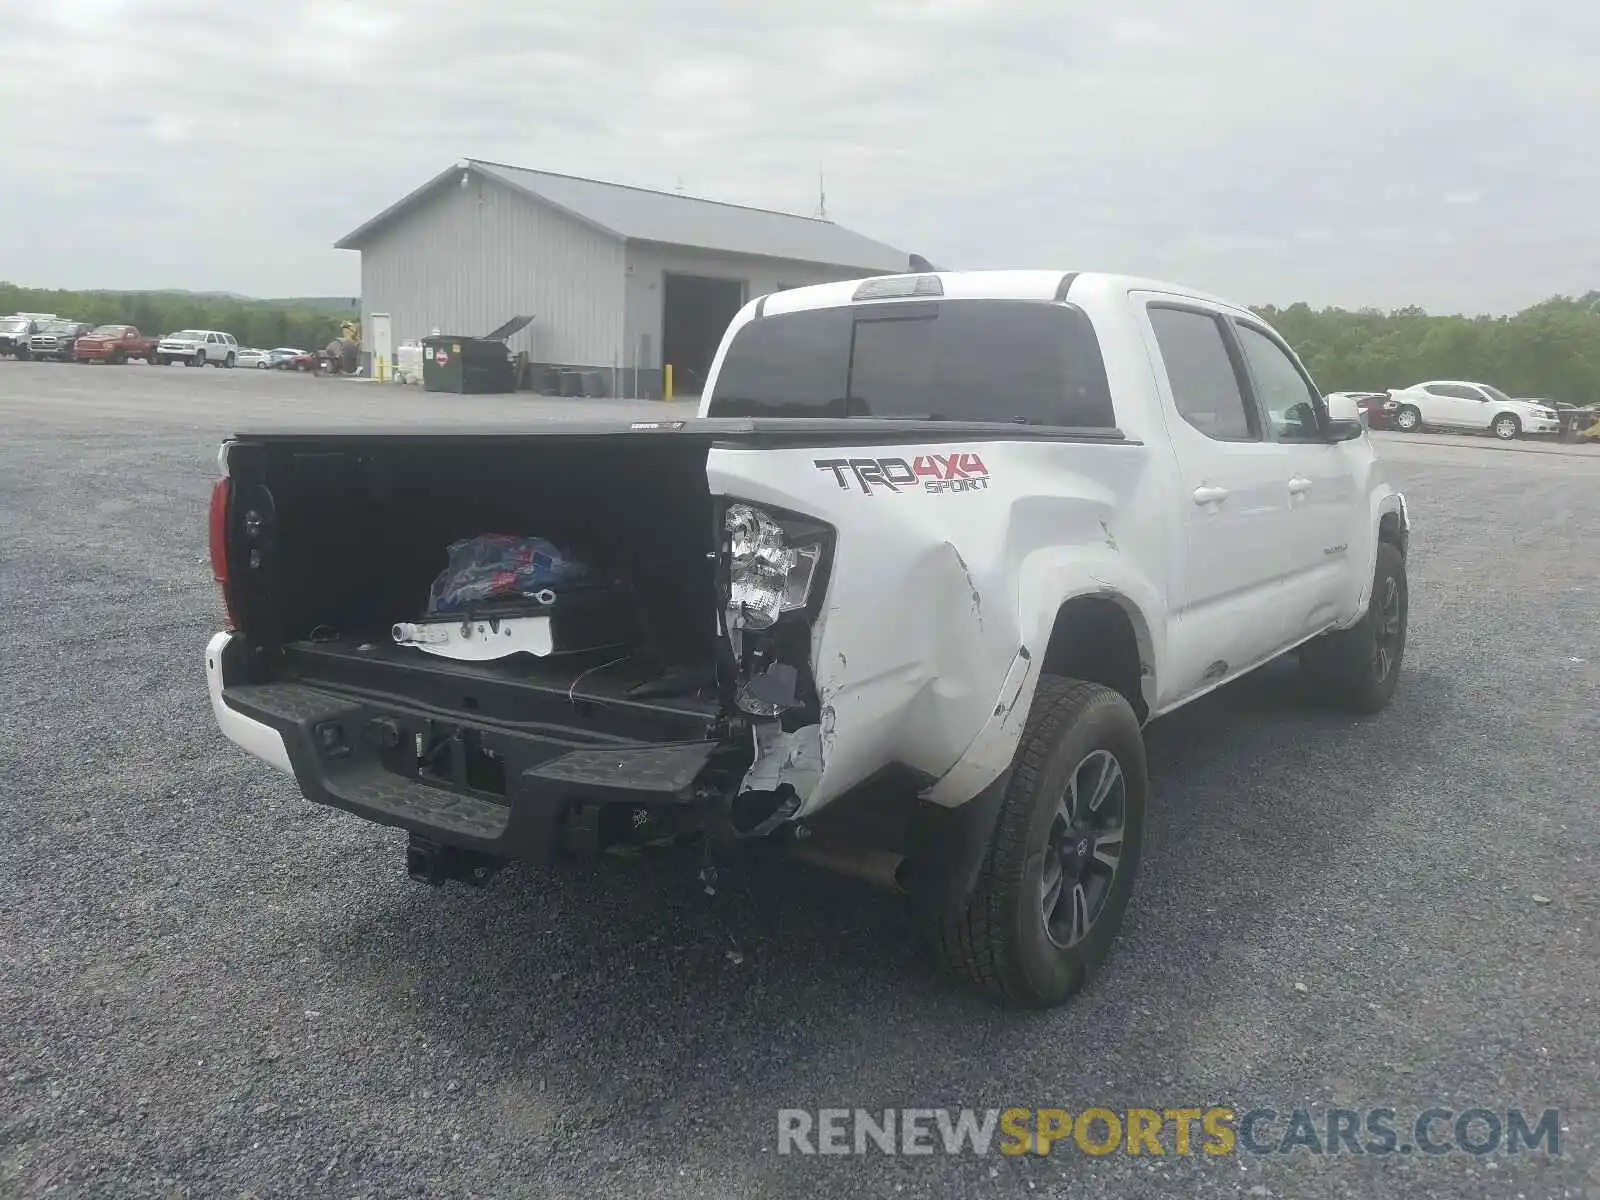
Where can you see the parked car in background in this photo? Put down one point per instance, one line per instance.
(16, 329)
(197, 347)
(1470, 407)
(1375, 408)
(283, 357)
(254, 358)
(114, 344)
(55, 340)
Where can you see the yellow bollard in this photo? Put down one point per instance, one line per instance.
(666, 376)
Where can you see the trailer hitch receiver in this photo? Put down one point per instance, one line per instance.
(433, 863)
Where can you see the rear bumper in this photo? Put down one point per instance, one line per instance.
(496, 789)
(252, 736)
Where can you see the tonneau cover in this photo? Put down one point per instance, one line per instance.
(775, 431)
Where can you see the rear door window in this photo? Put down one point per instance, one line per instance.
(1205, 385)
(944, 360)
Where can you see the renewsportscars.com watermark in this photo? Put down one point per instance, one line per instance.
(1214, 1131)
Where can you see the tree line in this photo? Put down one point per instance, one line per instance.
(309, 325)
(1551, 349)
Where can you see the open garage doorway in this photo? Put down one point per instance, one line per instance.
(695, 314)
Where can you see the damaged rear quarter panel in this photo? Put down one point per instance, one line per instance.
(933, 591)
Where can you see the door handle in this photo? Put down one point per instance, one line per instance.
(1210, 495)
(1299, 485)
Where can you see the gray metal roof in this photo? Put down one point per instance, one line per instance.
(638, 214)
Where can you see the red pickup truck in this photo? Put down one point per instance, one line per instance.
(114, 343)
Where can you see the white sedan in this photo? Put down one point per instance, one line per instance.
(1455, 404)
(254, 358)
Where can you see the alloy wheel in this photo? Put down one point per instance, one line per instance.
(1083, 849)
(1386, 631)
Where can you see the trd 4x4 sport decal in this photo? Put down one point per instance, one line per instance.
(959, 472)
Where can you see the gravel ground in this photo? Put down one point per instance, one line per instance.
(210, 988)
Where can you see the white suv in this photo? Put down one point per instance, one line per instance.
(197, 347)
(1455, 404)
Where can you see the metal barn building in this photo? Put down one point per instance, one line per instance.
(618, 280)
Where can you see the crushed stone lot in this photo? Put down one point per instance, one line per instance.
(211, 988)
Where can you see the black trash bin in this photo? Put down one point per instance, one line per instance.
(471, 365)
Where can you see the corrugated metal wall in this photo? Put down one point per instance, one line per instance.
(648, 262)
(471, 258)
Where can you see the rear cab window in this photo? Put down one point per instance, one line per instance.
(1023, 361)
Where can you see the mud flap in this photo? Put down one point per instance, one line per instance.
(946, 849)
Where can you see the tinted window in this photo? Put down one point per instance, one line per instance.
(1205, 388)
(1289, 400)
(957, 360)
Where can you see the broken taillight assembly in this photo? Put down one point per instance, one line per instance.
(771, 565)
(775, 567)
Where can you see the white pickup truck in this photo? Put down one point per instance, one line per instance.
(905, 591)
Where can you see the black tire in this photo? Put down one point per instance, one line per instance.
(1408, 418)
(229, 361)
(1506, 427)
(1004, 943)
(1357, 669)
(118, 357)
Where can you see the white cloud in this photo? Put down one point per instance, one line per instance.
(1265, 152)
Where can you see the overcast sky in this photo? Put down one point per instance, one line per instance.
(1361, 152)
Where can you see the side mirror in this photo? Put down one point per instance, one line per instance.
(1341, 430)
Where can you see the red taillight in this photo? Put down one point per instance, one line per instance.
(220, 495)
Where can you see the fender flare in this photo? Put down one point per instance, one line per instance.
(1383, 504)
